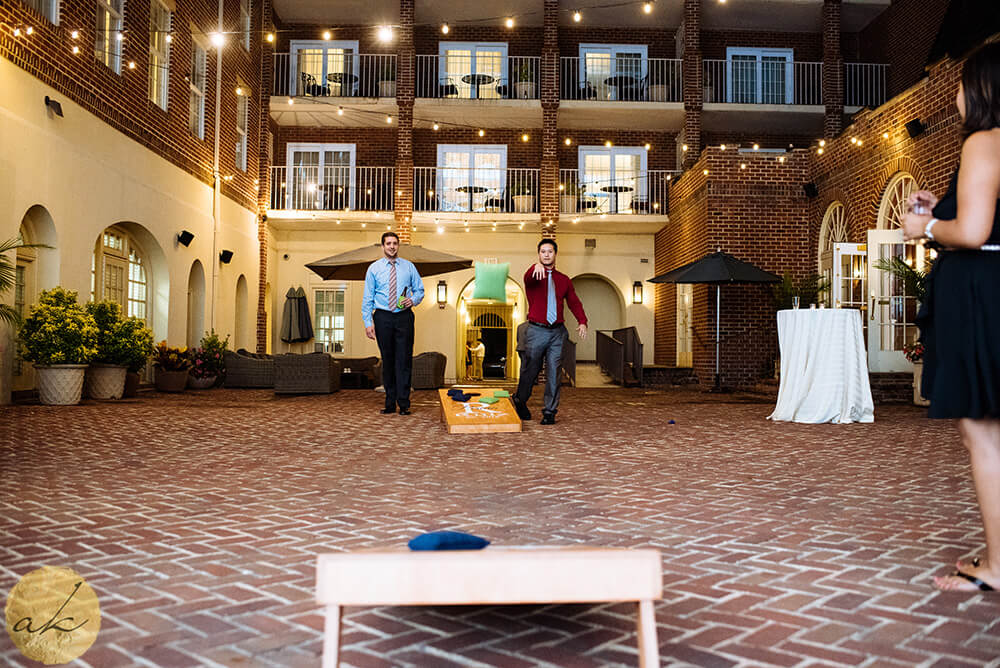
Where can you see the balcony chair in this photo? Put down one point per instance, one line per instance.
(311, 88)
(447, 88)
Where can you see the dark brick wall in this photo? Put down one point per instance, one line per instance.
(808, 46)
(373, 147)
(902, 36)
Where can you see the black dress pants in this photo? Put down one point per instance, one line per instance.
(394, 334)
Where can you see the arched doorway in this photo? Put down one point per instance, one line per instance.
(240, 325)
(195, 304)
(35, 269)
(605, 310)
(496, 323)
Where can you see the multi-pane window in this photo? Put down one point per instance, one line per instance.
(330, 320)
(47, 8)
(470, 175)
(614, 179)
(242, 116)
(118, 273)
(614, 71)
(324, 68)
(321, 176)
(245, 23)
(108, 40)
(159, 53)
(196, 86)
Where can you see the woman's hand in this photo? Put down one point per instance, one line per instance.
(913, 225)
(922, 198)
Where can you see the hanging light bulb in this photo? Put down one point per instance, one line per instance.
(385, 33)
(17, 32)
(218, 39)
(819, 151)
(722, 147)
(525, 137)
(756, 147)
(445, 28)
(509, 23)
(169, 38)
(648, 146)
(568, 141)
(76, 49)
(340, 111)
(577, 16)
(647, 7)
(291, 100)
(270, 37)
(608, 143)
(131, 64)
(482, 133)
(30, 30)
(75, 34)
(822, 142)
(388, 119)
(327, 34)
(435, 126)
(239, 90)
(684, 147)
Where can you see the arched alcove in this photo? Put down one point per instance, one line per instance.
(195, 304)
(242, 323)
(605, 308)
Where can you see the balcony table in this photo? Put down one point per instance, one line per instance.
(478, 80)
(344, 80)
(472, 190)
(622, 82)
(824, 368)
(615, 190)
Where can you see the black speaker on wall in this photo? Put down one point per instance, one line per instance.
(810, 189)
(184, 238)
(915, 127)
(225, 256)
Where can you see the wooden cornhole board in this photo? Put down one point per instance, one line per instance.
(472, 417)
(495, 575)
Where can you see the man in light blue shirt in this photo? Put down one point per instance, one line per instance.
(392, 288)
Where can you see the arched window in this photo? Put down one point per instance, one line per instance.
(118, 272)
(833, 230)
(893, 205)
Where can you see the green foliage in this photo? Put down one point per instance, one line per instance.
(571, 188)
(520, 188)
(807, 289)
(525, 72)
(8, 277)
(120, 340)
(58, 330)
(171, 359)
(914, 281)
(209, 358)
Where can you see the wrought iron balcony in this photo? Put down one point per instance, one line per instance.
(763, 80)
(480, 77)
(344, 188)
(618, 80)
(590, 192)
(865, 84)
(479, 190)
(317, 73)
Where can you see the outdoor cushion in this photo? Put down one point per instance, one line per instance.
(447, 540)
(491, 281)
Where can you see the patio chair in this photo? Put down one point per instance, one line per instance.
(311, 88)
(248, 370)
(447, 88)
(428, 371)
(369, 367)
(312, 373)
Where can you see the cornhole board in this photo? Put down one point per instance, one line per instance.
(495, 575)
(472, 417)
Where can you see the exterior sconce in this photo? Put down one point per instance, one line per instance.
(442, 294)
(637, 292)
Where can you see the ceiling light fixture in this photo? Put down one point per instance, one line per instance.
(509, 23)
(647, 7)
(385, 33)
(577, 16)
(327, 34)
(445, 28)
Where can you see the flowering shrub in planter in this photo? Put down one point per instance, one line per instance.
(58, 330)
(208, 360)
(171, 359)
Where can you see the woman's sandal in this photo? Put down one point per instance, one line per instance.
(982, 586)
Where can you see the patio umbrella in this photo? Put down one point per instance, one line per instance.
(352, 265)
(717, 268)
(296, 325)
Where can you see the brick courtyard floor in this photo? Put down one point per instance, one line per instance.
(197, 519)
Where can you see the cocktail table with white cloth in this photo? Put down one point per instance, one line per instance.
(824, 367)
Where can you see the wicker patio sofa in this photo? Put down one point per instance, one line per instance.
(312, 373)
(245, 369)
(369, 367)
(428, 371)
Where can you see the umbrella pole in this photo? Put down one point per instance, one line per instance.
(718, 315)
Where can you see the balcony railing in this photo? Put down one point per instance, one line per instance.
(645, 80)
(480, 77)
(865, 84)
(642, 193)
(756, 81)
(317, 73)
(332, 188)
(482, 190)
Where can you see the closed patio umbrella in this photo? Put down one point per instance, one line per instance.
(292, 317)
(352, 265)
(717, 268)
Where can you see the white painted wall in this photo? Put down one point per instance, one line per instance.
(89, 176)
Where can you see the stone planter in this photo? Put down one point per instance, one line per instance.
(524, 90)
(105, 381)
(132, 380)
(60, 384)
(918, 372)
(387, 89)
(201, 383)
(170, 381)
(523, 203)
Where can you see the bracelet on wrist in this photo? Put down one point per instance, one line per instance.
(929, 227)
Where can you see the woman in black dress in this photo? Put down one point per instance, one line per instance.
(960, 321)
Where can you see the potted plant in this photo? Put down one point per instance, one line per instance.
(105, 377)
(60, 337)
(810, 289)
(522, 195)
(914, 353)
(569, 198)
(387, 78)
(172, 365)
(524, 85)
(208, 362)
(136, 345)
(660, 81)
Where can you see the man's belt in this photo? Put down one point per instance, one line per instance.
(546, 325)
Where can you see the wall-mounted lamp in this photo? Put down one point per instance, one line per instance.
(184, 238)
(54, 106)
(915, 127)
(226, 256)
(442, 294)
(637, 292)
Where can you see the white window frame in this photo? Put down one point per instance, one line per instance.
(473, 48)
(47, 8)
(125, 257)
(159, 52)
(329, 345)
(109, 51)
(471, 149)
(760, 54)
(613, 50)
(246, 18)
(640, 193)
(310, 147)
(197, 47)
(297, 45)
(242, 119)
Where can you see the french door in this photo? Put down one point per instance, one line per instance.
(759, 76)
(685, 318)
(321, 68)
(320, 177)
(470, 174)
(475, 69)
(613, 177)
(614, 71)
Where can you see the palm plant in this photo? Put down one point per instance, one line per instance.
(8, 278)
(914, 280)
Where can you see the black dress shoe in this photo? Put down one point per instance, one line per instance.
(521, 410)
(387, 411)
(404, 411)
(548, 418)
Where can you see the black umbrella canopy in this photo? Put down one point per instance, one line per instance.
(717, 267)
(352, 265)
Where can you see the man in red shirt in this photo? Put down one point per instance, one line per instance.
(545, 333)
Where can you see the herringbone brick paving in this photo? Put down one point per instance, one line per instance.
(197, 519)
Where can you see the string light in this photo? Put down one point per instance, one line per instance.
(819, 151)
(239, 90)
(340, 111)
(861, 142)
(482, 133)
(608, 143)
(684, 148)
(218, 39)
(75, 34)
(567, 141)
(822, 143)
(647, 146)
(647, 7)
(435, 126)
(743, 165)
(854, 140)
(445, 28)
(509, 22)
(722, 147)
(291, 100)
(705, 172)
(385, 33)
(270, 38)
(577, 16)
(388, 119)
(169, 38)
(756, 147)
(76, 49)
(327, 35)
(131, 64)
(885, 135)
(29, 30)
(781, 159)
(17, 32)
(525, 137)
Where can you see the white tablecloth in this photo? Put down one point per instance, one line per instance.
(824, 367)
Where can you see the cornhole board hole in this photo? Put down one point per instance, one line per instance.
(472, 417)
(492, 576)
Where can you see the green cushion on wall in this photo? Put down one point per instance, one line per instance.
(491, 281)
